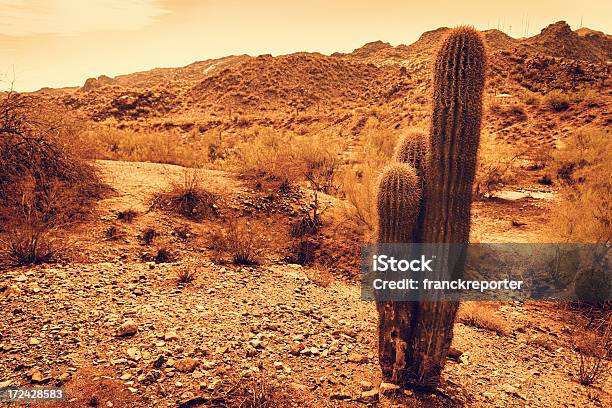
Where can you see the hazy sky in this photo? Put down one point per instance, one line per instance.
(63, 42)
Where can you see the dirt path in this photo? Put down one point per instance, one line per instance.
(319, 342)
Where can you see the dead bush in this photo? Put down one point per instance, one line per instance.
(164, 255)
(241, 243)
(594, 352)
(113, 233)
(482, 316)
(584, 168)
(44, 184)
(256, 390)
(183, 232)
(188, 198)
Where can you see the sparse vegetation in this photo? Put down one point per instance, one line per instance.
(127, 215)
(186, 275)
(482, 316)
(148, 235)
(240, 242)
(188, 198)
(557, 101)
(594, 352)
(44, 184)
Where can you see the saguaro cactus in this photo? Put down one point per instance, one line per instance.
(444, 212)
(412, 149)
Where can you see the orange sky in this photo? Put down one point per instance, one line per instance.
(63, 42)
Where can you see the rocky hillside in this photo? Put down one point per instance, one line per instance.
(315, 90)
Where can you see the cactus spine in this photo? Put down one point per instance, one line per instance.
(412, 149)
(426, 331)
(397, 200)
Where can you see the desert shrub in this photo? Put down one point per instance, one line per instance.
(164, 255)
(186, 275)
(44, 183)
(113, 233)
(182, 232)
(531, 99)
(303, 251)
(290, 159)
(168, 147)
(359, 180)
(241, 243)
(251, 390)
(187, 198)
(148, 235)
(127, 215)
(583, 169)
(482, 316)
(556, 101)
(593, 348)
(496, 164)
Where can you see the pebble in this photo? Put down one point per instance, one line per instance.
(128, 328)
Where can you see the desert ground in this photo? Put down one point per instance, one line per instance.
(146, 305)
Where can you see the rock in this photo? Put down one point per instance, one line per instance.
(149, 378)
(340, 396)
(369, 396)
(33, 341)
(258, 344)
(170, 335)
(186, 365)
(21, 278)
(278, 365)
(128, 328)
(159, 361)
(36, 376)
(197, 374)
(4, 384)
(365, 385)
(133, 353)
(357, 358)
(125, 377)
(388, 388)
(296, 348)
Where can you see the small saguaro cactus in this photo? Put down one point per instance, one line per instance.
(412, 149)
(397, 200)
(424, 331)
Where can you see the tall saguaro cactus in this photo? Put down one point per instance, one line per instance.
(444, 211)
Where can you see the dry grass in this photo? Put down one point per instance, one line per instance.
(240, 242)
(584, 168)
(191, 150)
(594, 352)
(482, 316)
(256, 390)
(187, 198)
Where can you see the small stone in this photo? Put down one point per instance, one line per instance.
(369, 396)
(21, 278)
(133, 353)
(296, 348)
(357, 358)
(278, 365)
(128, 328)
(109, 404)
(62, 377)
(365, 385)
(388, 388)
(33, 341)
(36, 376)
(340, 396)
(314, 351)
(197, 374)
(258, 344)
(125, 377)
(170, 335)
(186, 365)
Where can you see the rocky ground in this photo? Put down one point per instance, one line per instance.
(119, 331)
